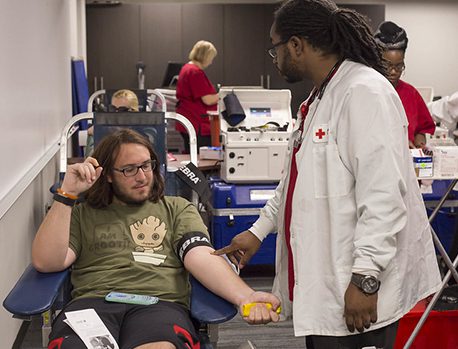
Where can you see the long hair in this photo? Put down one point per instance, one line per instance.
(101, 193)
(331, 29)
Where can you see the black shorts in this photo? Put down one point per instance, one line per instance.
(130, 325)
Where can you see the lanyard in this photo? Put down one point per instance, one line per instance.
(315, 93)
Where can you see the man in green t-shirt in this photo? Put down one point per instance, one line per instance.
(128, 237)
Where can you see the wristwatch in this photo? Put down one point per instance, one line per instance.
(366, 283)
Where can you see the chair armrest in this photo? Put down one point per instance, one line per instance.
(207, 307)
(35, 292)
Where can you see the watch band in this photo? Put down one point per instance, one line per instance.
(366, 283)
(64, 200)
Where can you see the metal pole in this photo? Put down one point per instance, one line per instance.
(430, 307)
(442, 200)
(448, 262)
(444, 255)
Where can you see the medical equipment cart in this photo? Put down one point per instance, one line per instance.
(235, 208)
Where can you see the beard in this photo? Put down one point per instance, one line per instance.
(289, 71)
(124, 197)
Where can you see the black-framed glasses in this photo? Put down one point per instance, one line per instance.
(273, 50)
(122, 109)
(130, 171)
(397, 67)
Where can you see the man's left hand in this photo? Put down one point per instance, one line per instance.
(260, 314)
(360, 309)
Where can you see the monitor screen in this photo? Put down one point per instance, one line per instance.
(171, 74)
(263, 112)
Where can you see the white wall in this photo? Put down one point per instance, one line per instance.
(432, 54)
(37, 42)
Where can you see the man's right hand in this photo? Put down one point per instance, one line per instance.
(80, 177)
(243, 246)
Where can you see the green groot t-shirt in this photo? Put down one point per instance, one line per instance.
(132, 249)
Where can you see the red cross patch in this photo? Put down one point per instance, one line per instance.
(320, 134)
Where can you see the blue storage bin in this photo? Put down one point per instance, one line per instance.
(445, 220)
(235, 208)
(444, 226)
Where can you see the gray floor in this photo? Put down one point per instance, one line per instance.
(234, 334)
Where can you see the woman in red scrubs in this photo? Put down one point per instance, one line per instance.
(195, 93)
(394, 40)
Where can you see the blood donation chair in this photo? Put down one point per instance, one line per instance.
(41, 294)
(148, 100)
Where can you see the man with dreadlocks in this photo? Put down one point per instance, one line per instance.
(354, 249)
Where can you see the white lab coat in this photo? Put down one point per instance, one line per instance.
(445, 111)
(356, 208)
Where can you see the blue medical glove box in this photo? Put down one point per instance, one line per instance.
(444, 223)
(235, 208)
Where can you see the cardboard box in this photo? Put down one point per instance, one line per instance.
(445, 161)
(423, 163)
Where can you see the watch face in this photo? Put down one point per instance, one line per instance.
(369, 285)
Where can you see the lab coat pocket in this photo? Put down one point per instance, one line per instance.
(331, 177)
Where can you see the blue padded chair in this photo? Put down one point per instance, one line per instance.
(151, 124)
(40, 294)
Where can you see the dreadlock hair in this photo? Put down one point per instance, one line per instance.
(331, 29)
(100, 195)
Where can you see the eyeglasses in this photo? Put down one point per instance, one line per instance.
(130, 171)
(397, 67)
(122, 109)
(273, 50)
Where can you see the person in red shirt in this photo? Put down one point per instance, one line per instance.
(394, 41)
(195, 93)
